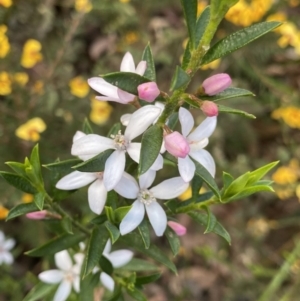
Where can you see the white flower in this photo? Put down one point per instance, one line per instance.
(91, 145)
(146, 200)
(67, 274)
(197, 140)
(5, 246)
(112, 93)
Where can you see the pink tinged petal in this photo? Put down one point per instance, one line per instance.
(97, 195)
(148, 91)
(147, 178)
(209, 108)
(119, 258)
(204, 130)
(195, 146)
(75, 180)
(114, 168)
(134, 151)
(216, 83)
(158, 163)
(127, 64)
(51, 276)
(141, 67)
(78, 135)
(141, 120)
(205, 158)
(186, 168)
(76, 284)
(8, 244)
(125, 97)
(186, 120)
(133, 218)
(177, 228)
(37, 215)
(169, 189)
(107, 281)
(63, 260)
(177, 145)
(63, 291)
(157, 218)
(125, 119)
(103, 87)
(7, 257)
(127, 187)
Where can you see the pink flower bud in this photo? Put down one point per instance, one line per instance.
(178, 228)
(216, 83)
(148, 91)
(37, 214)
(176, 145)
(209, 108)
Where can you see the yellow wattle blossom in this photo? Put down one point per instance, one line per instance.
(79, 87)
(212, 65)
(27, 198)
(285, 175)
(188, 193)
(200, 7)
(38, 87)
(131, 37)
(21, 78)
(293, 3)
(290, 115)
(5, 83)
(31, 53)
(4, 43)
(6, 3)
(31, 130)
(83, 6)
(284, 193)
(100, 112)
(3, 212)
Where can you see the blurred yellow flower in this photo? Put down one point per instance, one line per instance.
(124, 1)
(131, 37)
(284, 193)
(38, 87)
(27, 198)
(3, 212)
(83, 6)
(212, 65)
(6, 3)
(294, 3)
(5, 83)
(258, 227)
(21, 78)
(188, 193)
(31, 130)
(31, 53)
(201, 5)
(285, 175)
(290, 115)
(79, 86)
(100, 112)
(4, 43)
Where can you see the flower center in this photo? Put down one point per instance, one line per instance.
(120, 142)
(99, 175)
(69, 276)
(146, 197)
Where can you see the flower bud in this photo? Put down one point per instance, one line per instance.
(177, 228)
(209, 108)
(37, 214)
(176, 145)
(216, 83)
(148, 91)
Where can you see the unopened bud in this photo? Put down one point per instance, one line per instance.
(177, 228)
(216, 84)
(148, 91)
(176, 145)
(37, 214)
(209, 108)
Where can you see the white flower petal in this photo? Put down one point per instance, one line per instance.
(106, 98)
(75, 180)
(51, 276)
(186, 120)
(79, 257)
(63, 260)
(6, 257)
(133, 218)
(204, 130)
(195, 146)
(170, 188)
(103, 87)
(127, 64)
(76, 284)
(63, 291)
(141, 120)
(147, 178)
(2, 237)
(114, 168)
(157, 218)
(125, 119)
(186, 168)
(8, 244)
(158, 163)
(205, 158)
(141, 67)
(125, 97)
(127, 187)
(107, 248)
(134, 151)
(78, 135)
(119, 258)
(97, 194)
(107, 281)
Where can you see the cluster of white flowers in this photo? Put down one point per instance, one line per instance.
(5, 246)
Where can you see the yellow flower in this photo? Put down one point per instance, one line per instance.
(100, 112)
(79, 87)
(294, 3)
(3, 212)
(131, 37)
(124, 1)
(31, 130)
(38, 87)
(200, 7)
(285, 175)
(5, 83)
(290, 115)
(4, 43)
(6, 3)
(27, 198)
(21, 78)
(258, 227)
(188, 193)
(31, 53)
(212, 65)
(284, 193)
(84, 6)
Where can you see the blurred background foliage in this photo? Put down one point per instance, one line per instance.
(48, 49)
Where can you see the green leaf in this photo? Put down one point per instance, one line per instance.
(211, 221)
(151, 144)
(114, 129)
(95, 164)
(196, 186)
(126, 81)
(225, 109)
(86, 127)
(134, 241)
(249, 191)
(95, 249)
(186, 56)
(35, 162)
(238, 40)
(179, 79)
(21, 209)
(66, 224)
(230, 93)
(39, 199)
(87, 286)
(19, 168)
(202, 219)
(201, 24)
(121, 212)
(172, 121)
(105, 265)
(56, 244)
(99, 220)
(237, 185)
(18, 181)
(190, 15)
(260, 172)
(41, 290)
(173, 240)
(113, 231)
(145, 233)
(148, 57)
(62, 166)
(147, 279)
(139, 265)
(136, 294)
(110, 213)
(227, 179)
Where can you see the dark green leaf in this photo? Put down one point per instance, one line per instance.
(106, 265)
(121, 212)
(211, 221)
(62, 166)
(136, 294)
(173, 240)
(172, 121)
(225, 109)
(114, 129)
(87, 286)
(39, 199)
(41, 290)
(66, 224)
(86, 127)
(35, 162)
(19, 168)
(186, 56)
(230, 93)
(201, 24)
(147, 279)
(99, 219)
(148, 57)
(112, 199)
(113, 231)
(196, 186)
(139, 265)
(21, 209)
(110, 213)
(190, 15)
(145, 233)
(179, 79)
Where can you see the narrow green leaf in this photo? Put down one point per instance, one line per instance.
(139, 265)
(113, 231)
(196, 186)
(172, 121)
(121, 212)
(179, 79)
(230, 93)
(19, 168)
(66, 224)
(145, 233)
(148, 57)
(106, 265)
(87, 286)
(147, 279)
(249, 191)
(114, 129)
(211, 221)
(227, 179)
(35, 162)
(112, 199)
(151, 144)
(95, 249)
(173, 240)
(186, 56)
(136, 294)
(86, 127)
(21, 209)
(40, 291)
(62, 166)
(110, 213)
(201, 24)
(18, 181)
(95, 164)
(225, 109)
(237, 185)
(126, 81)
(238, 40)
(99, 220)
(56, 244)
(39, 199)
(257, 174)
(190, 15)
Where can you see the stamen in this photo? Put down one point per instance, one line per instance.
(120, 141)
(146, 197)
